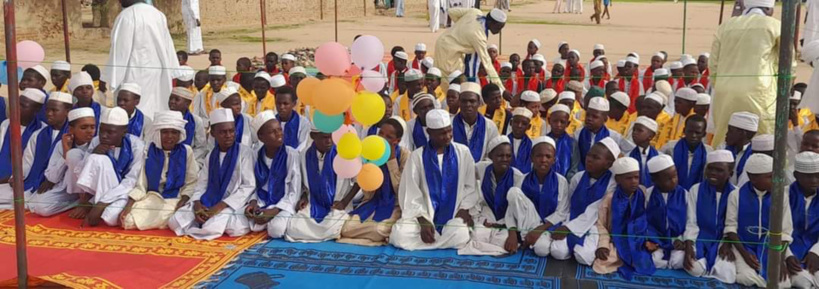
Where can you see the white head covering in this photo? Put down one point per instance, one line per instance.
(41, 71)
(417, 98)
(599, 47)
(610, 144)
(688, 61)
(454, 75)
(648, 123)
(61, 97)
(547, 95)
(656, 97)
(566, 95)
(659, 163)
(263, 75)
(277, 81)
(455, 87)
(413, 75)
(34, 95)
(535, 42)
(663, 87)
(471, 87)
(687, 94)
(297, 70)
(217, 70)
(807, 162)
(186, 73)
(222, 95)
(61, 65)
(621, 63)
(720, 156)
(625, 165)
(81, 78)
(539, 57)
(796, 95)
(495, 142)
(595, 64)
(434, 71)
(560, 107)
(438, 119)
(751, 4)
(81, 112)
(660, 72)
(498, 15)
(762, 143)
(744, 120)
(676, 65)
(506, 65)
(522, 111)
(660, 55)
(420, 47)
(131, 87)
(575, 52)
(288, 56)
(529, 96)
(221, 115)
(599, 104)
(261, 119)
(401, 122)
(601, 57)
(164, 120)
(182, 92)
(703, 99)
(115, 116)
(559, 45)
(543, 139)
(635, 55)
(706, 54)
(759, 164)
(575, 85)
(810, 51)
(621, 97)
(492, 46)
(633, 60)
(428, 62)
(401, 55)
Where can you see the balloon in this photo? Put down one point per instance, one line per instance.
(370, 177)
(368, 108)
(307, 87)
(332, 59)
(346, 168)
(333, 96)
(372, 80)
(327, 123)
(367, 51)
(29, 53)
(4, 78)
(341, 131)
(385, 157)
(349, 146)
(352, 75)
(372, 147)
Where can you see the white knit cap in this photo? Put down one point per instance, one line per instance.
(676, 65)
(625, 165)
(560, 107)
(807, 162)
(455, 87)
(61, 97)
(706, 54)
(223, 95)
(522, 111)
(34, 95)
(186, 73)
(454, 75)
(428, 62)
(81, 112)
(648, 123)
(297, 70)
(61, 65)
(535, 42)
(565, 95)
(720, 156)
(633, 60)
(559, 45)
(471, 87)
(413, 75)
(401, 55)
(434, 71)
(547, 95)
(217, 70)
(601, 57)
(763, 143)
(131, 87)
(492, 46)
(659, 98)
(261, 119)
(575, 85)
(758, 3)
(688, 61)
(221, 115)
(575, 52)
(81, 78)
(529, 96)
(277, 81)
(539, 57)
(495, 142)
(543, 139)
(621, 97)
(698, 85)
(659, 163)
(621, 63)
(418, 97)
(438, 119)
(182, 92)
(165, 120)
(611, 145)
(400, 121)
(115, 116)
(660, 55)
(288, 56)
(498, 15)
(663, 87)
(759, 164)
(506, 65)
(744, 120)
(596, 64)
(41, 71)
(660, 72)
(635, 55)
(687, 94)
(263, 75)
(420, 47)
(599, 47)
(703, 99)
(599, 104)
(796, 95)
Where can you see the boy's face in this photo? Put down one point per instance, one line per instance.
(112, 135)
(736, 136)
(58, 77)
(595, 119)
(702, 63)
(501, 156)
(234, 103)
(56, 113)
(469, 103)
(557, 71)
(84, 93)
(127, 101)
(628, 69)
(242, 66)
(169, 138)
(656, 62)
(284, 104)
(598, 72)
(440, 137)
(270, 62)
(665, 180)
(599, 159)
(200, 80)
(558, 121)
(215, 58)
(694, 132)
(452, 99)
(181, 58)
(676, 73)
(717, 174)
(629, 182)
(810, 143)
(573, 59)
(420, 55)
(216, 82)
(493, 99)
(32, 79)
(531, 48)
(178, 103)
(224, 133)
(83, 130)
(520, 125)
(650, 109)
(543, 157)
(271, 134)
(682, 106)
(808, 182)
(515, 60)
(641, 135)
(295, 79)
(701, 110)
(762, 182)
(388, 132)
(399, 64)
(598, 52)
(528, 68)
(432, 82)
(505, 72)
(493, 53)
(261, 87)
(414, 87)
(287, 65)
(690, 72)
(421, 108)
(563, 50)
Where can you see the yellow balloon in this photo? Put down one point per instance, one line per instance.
(306, 90)
(372, 147)
(368, 108)
(333, 96)
(349, 146)
(370, 177)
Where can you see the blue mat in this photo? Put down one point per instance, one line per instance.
(296, 265)
(660, 279)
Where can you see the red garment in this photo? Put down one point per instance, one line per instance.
(568, 72)
(541, 76)
(496, 64)
(483, 80)
(416, 64)
(704, 78)
(394, 76)
(558, 87)
(390, 67)
(286, 77)
(237, 77)
(274, 72)
(681, 84)
(648, 77)
(633, 92)
(600, 84)
(510, 85)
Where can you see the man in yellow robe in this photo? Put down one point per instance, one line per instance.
(744, 61)
(463, 46)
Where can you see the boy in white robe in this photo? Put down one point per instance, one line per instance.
(496, 180)
(416, 135)
(128, 98)
(594, 128)
(205, 101)
(111, 169)
(31, 103)
(224, 185)
(666, 211)
(195, 134)
(166, 184)
(741, 129)
(38, 151)
(689, 152)
(643, 131)
(82, 88)
(278, 179)
(442, 171)
(317, 217)
(471, 128)
(801, 196)
(760, 144)
(229, 98)
(296, 127)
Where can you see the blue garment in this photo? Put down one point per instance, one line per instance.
(41, 115)
(666, 219)
(472, 62)
(711, 229)
(42, 154)
(322, 182)
(584, 142)
(3, 109)
(628, 219)
(383, 201)
(475, 144)
(239, 122)
(219, 174)
(748, 217)
(563, 153)
(442, 183)
(495, 197)
(5, 151)
(418, 136)
(740, 167)
(190, 129)
(805, 224)
(523, 157)
(136, 123)
(177, 169)
(122, 164)
(544, 196)
(270, 180)
(686, 176)
(583, 196)
(645, 176)
(373, 130)
(291, 130)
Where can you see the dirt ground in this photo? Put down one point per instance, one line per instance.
(644, 27)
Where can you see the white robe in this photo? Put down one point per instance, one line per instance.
(407, 140)
(490, 133)
(692, 231)
(304, 132)
(582, 224)
(414, 199)
(190, 13)
(675, 260)
(249, 136)
(229, 221)
(277, 226)
(142, 52)
(147, 122)
(200, 139)
(64, 173)
(6, 192)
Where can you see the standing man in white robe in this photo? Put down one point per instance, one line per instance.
(190, 16)
(463, 46)
(437, 192)
(142, 52)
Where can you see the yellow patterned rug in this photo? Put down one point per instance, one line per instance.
(60, 250)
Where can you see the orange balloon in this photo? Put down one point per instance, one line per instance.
(370, 177)
(333, 96)
(307, 87)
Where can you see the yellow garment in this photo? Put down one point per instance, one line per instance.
(575, 123)
(64, 89)
(440, 95)
(535, 129)
(208, 97)
(250, 101)
(673, 130)
(96, 84)
(806, 119)
(620, 126)
(268, 102)
(403, 105)
(662, 120)
(746, 51)
(195, 93)
(498, 117)
(466, 36)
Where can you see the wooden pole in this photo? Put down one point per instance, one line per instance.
(796, 30)
(65, 33)
(335, 18)
(16, 145)
(500, 43)
(263, 20)
(365, 6)
(783, 88)
(685, 22)
(321, 9)
(721, 10)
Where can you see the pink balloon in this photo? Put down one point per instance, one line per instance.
(372, 80)
(341, 131)
(332, 59)
(346, 168)
(367, 51)
(29, 54)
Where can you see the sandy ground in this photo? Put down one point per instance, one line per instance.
(644, 27)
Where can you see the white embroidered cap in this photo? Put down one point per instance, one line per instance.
(596, 64)
(599, 47)
(418, 97)
(277, 81)
(660, 72)
(131, 87)
(575, 52)
(660, 55)
(539, 57)
(720, 156)
(263, 75)
(621, 63)
(413, 75)
(61, 65)
(561, 108)
(438, 119)
(454, 75)
(434, 72)
(759, 3)
(659, 163)
(34, 95)
(400, 121)
(491, 47)
(759, 164)
(41, 71)
(529, 96)
(648, 123)
(566, 95)
(575, 85)
(703, 99)
(687, 94)
(455, 87)
(654, 96)
(688, 61)
(428, 62)
(621, 97)
(663, 87)
(182, 92)
(522, 111)
(559, 45)
(599, 104)
(217, 70)
(225, 93)
(543, 139)
(81, 112)
(744, 120)
(115, 116)
(506, 65)
(610, 144)
(288, 56)
(401, 55)
(676, 65)
(261, 119)
(495, 142)
(633, 60)
(186, 73)
(547, 95)
(297, 70)
(762, 143)
(807, 162)
(420, 47)
(535, 42)
(81, 78)
(625, 165)
(498, 15)
(61, 97)
(471, 87)
(221, 115)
